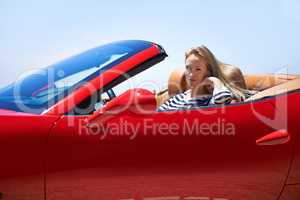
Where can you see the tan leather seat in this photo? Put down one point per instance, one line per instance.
(272, 84)
(267, 84)
(176, 84)
(261, 82)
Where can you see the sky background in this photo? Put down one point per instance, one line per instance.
(258, 36)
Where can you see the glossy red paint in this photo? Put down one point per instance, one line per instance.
(209, 153)
(79, 165)
(23, 140)
(274, 138)
(162, 165)
(133, 100)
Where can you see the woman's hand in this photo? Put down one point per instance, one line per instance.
(205, 88)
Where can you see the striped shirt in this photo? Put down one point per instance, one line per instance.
(221, 95)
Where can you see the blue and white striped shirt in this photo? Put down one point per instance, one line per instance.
(221, 95)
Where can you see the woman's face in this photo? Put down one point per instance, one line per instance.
(196, 70)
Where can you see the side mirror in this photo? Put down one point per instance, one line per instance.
(133, 101)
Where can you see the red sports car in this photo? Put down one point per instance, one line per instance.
(65, 133)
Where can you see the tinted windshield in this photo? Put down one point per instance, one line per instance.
(37, 91)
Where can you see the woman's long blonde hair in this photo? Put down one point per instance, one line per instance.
(213, 66)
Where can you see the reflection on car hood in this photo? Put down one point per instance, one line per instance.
(11, 112)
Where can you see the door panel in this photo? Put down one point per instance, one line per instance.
(22, 151)
(202, 154)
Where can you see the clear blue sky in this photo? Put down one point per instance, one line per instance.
(257, 35)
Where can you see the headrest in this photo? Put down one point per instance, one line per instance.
(177, 82)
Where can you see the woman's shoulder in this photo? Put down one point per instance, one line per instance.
(182, 95)
(176, 102)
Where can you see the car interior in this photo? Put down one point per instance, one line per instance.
(264, 84)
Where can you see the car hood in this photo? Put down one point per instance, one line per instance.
(11, 112)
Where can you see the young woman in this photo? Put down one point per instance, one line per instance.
(206, 78)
